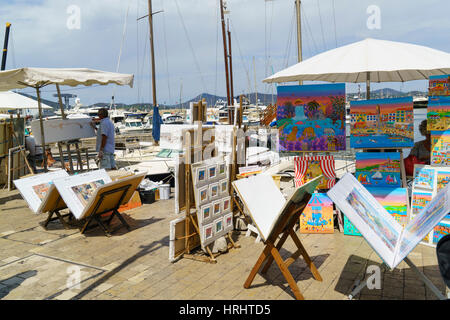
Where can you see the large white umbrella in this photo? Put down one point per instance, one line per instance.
(369, 60)
(10, 100)
(41, 77)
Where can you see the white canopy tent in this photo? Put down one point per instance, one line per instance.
(10, 100)
(41, 77)
(369, 60)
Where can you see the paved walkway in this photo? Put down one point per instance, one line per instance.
(63, 264)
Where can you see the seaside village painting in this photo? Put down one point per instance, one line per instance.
(311, 117)
(378, 169)
(382, 123)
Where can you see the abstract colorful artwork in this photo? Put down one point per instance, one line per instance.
(382, 123)
(85, 191)
(438, 114)
(349, 228)
(311, 117)
(440, 148)
(423, 178)
(439, 85)
(378, 169)
(393, 200)
(317, 217)
(308, 168)
(420, 200)
(442, 229)
(442, 177)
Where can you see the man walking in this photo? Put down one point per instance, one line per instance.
(105, 141)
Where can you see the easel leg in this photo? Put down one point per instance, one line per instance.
(99, 221)
(49, 218)
(117, 214)
(427, 282)
(279, 245)
(257, 265)
(61, 220)
(287, 275)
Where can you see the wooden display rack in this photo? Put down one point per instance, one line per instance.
(191, 226)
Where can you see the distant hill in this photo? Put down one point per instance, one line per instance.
(386, 93)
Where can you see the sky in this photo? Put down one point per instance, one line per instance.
(188, 40)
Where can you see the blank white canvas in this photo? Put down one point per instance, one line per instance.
(56, 130)
(25, 186)
(263, 199)
(64, 186)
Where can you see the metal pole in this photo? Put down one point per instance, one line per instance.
(299, 34)
(41, 123)
(231, 66)
(5, 46)
(225, 55)
(368, 85)
(60, 102)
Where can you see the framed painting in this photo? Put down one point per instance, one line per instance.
(207, 232)
(442, 179)
(76, 190)
(226, 204)
(439, 85)
(228, 221)
(420, 200)
(423, 177)
(224, 186)
(378, 169)
(205, 213)
(212, 171)
(217, 207)
(213, 190)
(382, 123)
(441, 230)
(202, 194)
(222, 167)
(35, 188)
(218, 225)
(307, 168)
(317, 217)
(311, 117)
(438, 113)
(200, 175)
(440, 148)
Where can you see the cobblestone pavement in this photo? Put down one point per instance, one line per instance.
(63, 264)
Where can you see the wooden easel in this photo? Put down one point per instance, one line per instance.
(190, 217)
(52, 205)
(70, 167)
(282, 231)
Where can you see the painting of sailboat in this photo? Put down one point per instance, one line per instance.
(378, 169)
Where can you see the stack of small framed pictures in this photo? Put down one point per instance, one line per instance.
(212, 197)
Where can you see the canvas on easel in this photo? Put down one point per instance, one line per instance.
(35, 188)
(76, 190)
(384, 234)
(275, 217)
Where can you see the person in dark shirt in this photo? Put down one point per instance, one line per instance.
(422, 148)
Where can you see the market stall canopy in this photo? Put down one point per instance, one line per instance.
(10, 100)
(369, 60)
(39, 77)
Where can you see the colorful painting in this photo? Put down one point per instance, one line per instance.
(222, 168)
(423, 178)
(41, 190)
(201, 175)
(378, 169)
(393, 200)
(441, 230)
(311, 117)
(349, 228)
(382, 123)
(224, 186)
(308, 168)
(440, 148)
(216, 208)
(85, 191)
(228, 220)
(372, 218)
(318, 215)
(226, 204)
(213, 190)
(439, 85)
(420, 200)
(206, 212)
(442, 177)
(438, 114)
(212, 172)
(218, 225)
(208, 232)
(203, 194)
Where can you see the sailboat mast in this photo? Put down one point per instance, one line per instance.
(150, 22)
(224, 36)
(299, 33)
(231, 64)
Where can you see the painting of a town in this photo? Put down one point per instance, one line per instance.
(394, 201)
(318, 215)
(440, 148)
(439, 85)
(311, 117)
(382, 123)
(438, 113)
(378, 169)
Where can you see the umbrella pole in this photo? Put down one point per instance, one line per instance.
(60, 102)
(41, 123)
(368, 86)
